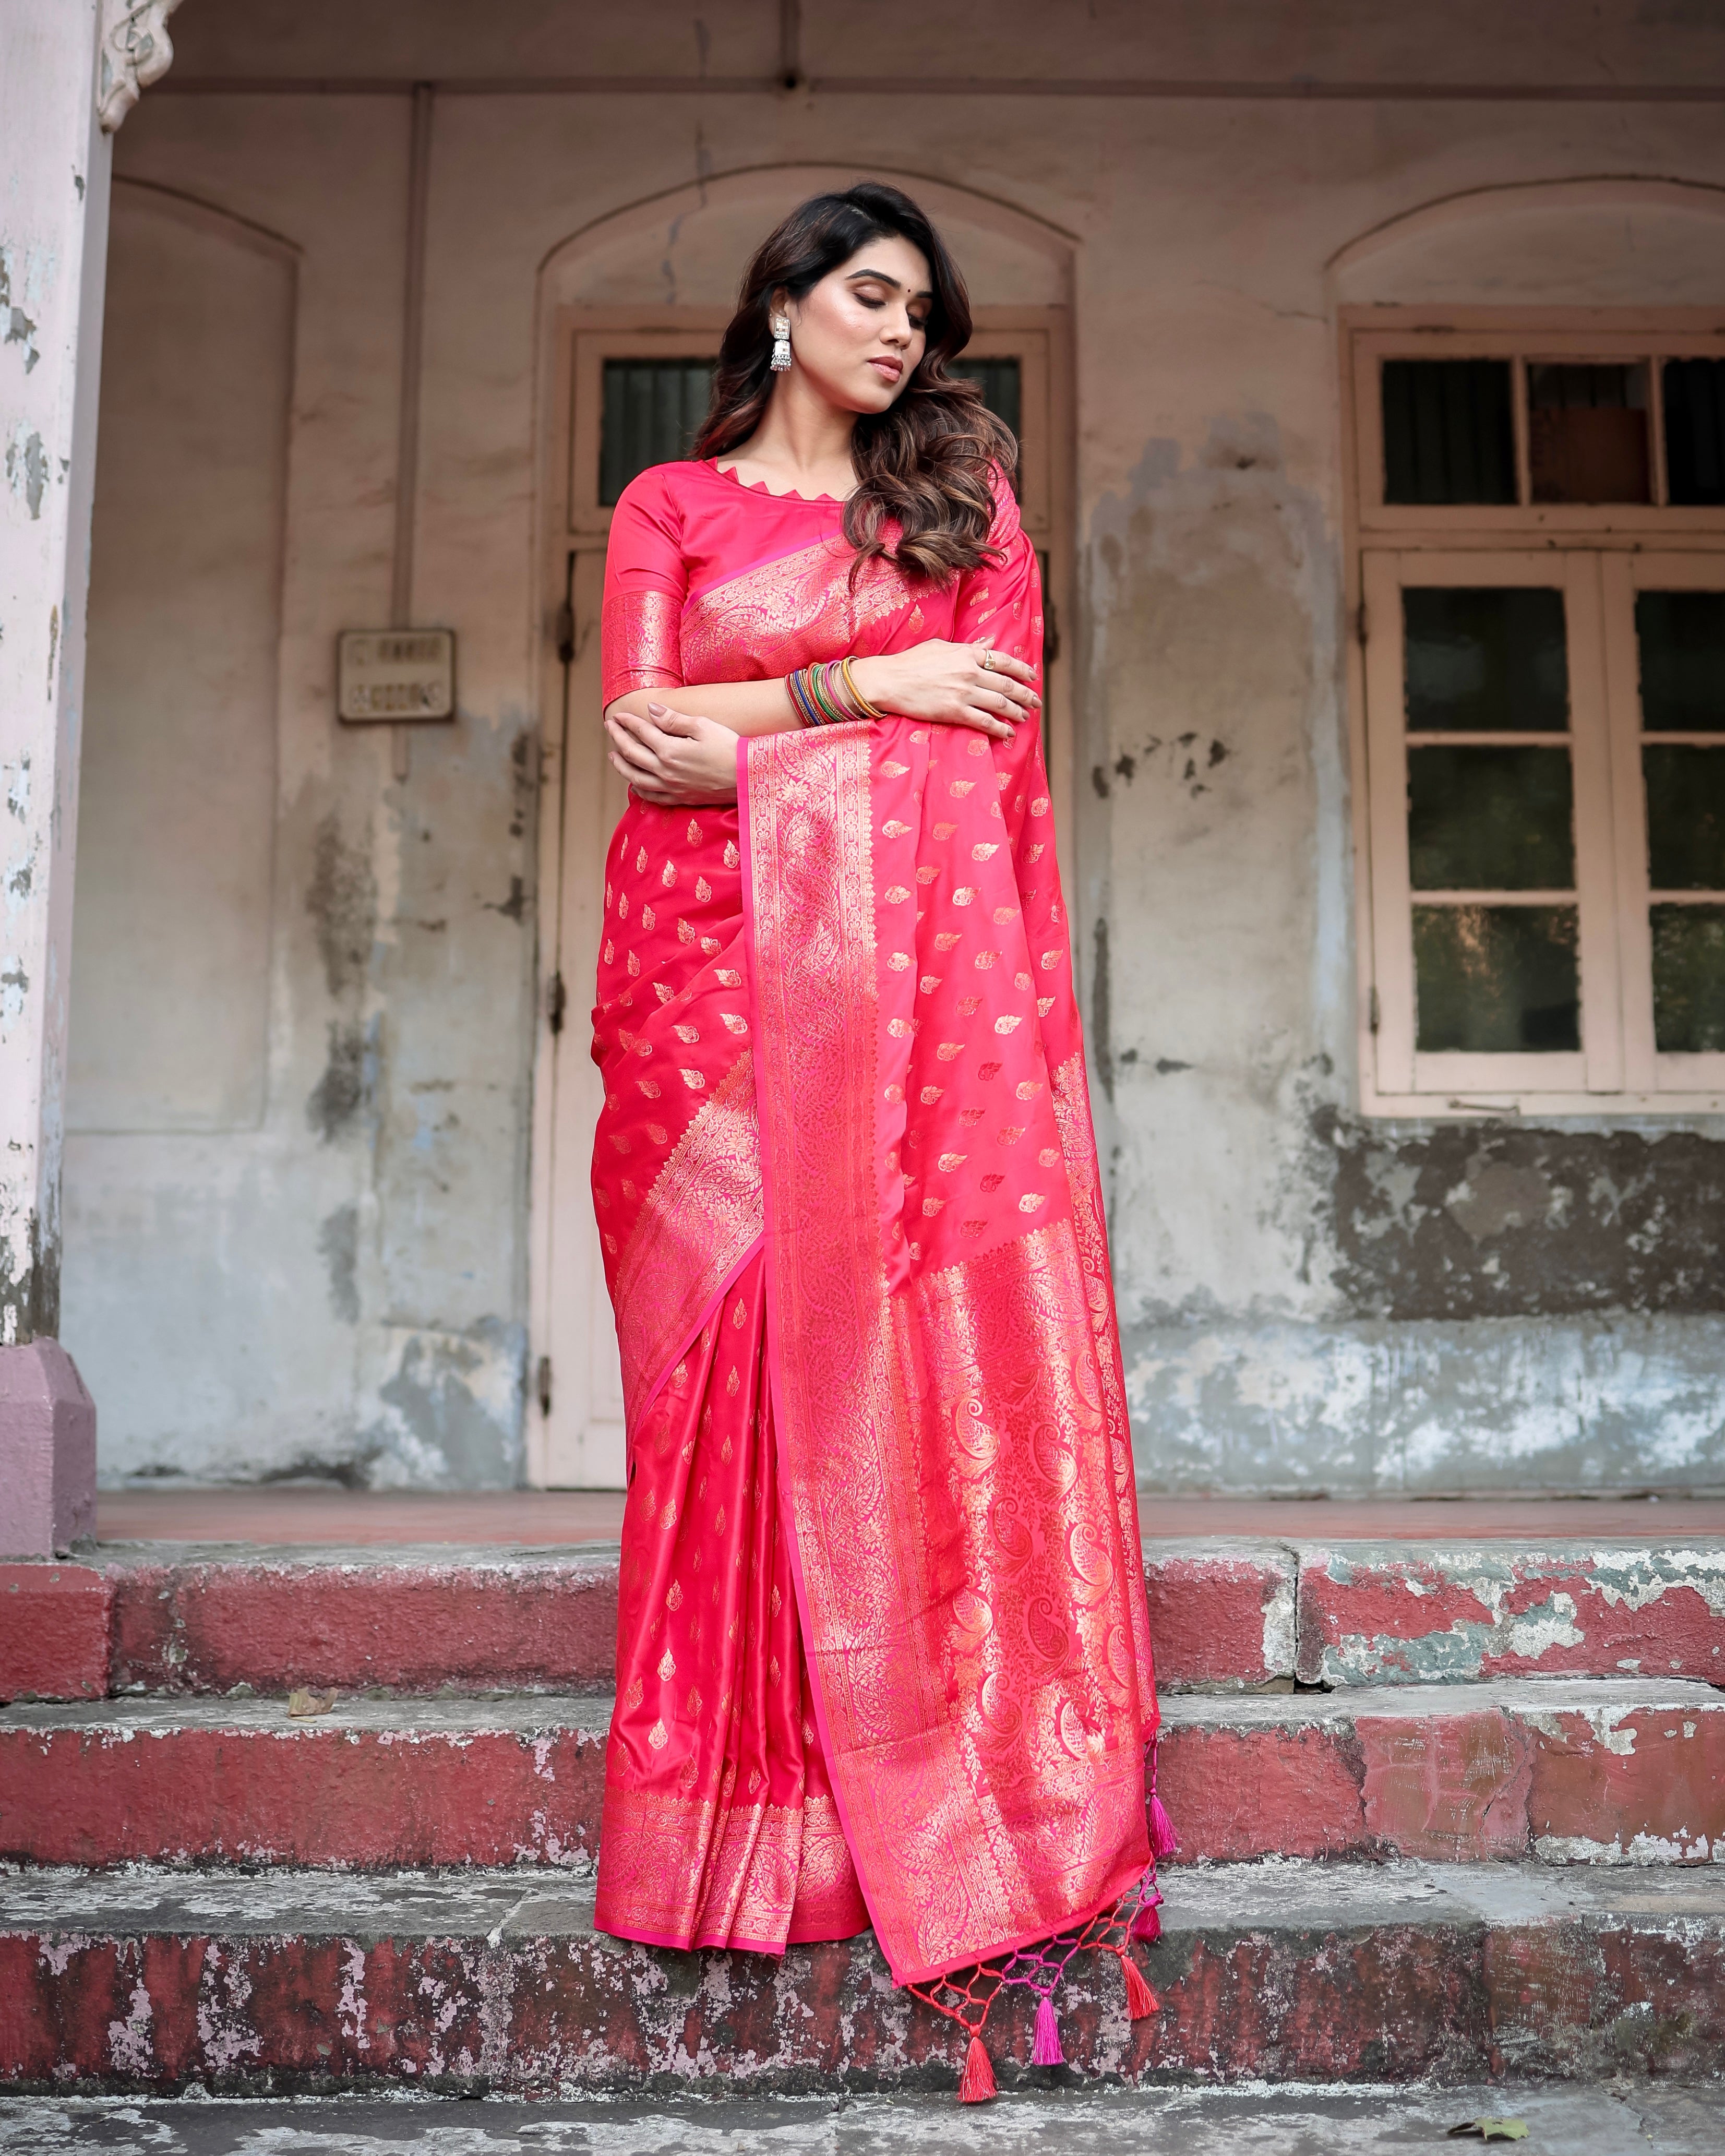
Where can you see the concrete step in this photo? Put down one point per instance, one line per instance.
(1225, 1614)
(372, 1784)
(293, 1980)
(1566, 1770)
(1070, 2117)
(1575, 1770)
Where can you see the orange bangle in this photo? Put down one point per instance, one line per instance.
(857, 697)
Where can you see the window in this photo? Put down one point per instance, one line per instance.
(650, 409)
(1541, 578)
(651, 412)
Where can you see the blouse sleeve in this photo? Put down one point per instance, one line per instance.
(1002, 601)
(646, 582)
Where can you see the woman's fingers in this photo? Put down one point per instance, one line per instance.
(1001, 662)
(681, 723)
(634, 735)
(636, 764)
(992, 683)
(991, 700)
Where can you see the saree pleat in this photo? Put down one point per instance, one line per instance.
(720, 1828)
(883, 1652)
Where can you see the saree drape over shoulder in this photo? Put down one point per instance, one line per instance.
(883, 1654)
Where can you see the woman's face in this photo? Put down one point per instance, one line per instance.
(859, 332)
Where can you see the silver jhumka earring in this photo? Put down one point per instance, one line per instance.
(781, 328)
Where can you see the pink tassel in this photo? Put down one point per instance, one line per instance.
(1163, 1840)
(976, 2085)
(1139, 2000)
(1147, 1925)
(1046, 2051)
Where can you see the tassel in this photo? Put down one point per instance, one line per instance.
(1147, 1925)
(1046, 2051)
(976, 2084)
(1164, 1841)
(1140, 1998)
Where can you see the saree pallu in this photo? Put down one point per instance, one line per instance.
(883, 1654)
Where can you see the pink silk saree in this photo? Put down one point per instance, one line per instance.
(883, 1655)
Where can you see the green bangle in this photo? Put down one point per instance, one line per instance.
(820, 688)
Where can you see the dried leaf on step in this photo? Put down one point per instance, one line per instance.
(1491, 2129)
(302, 1702)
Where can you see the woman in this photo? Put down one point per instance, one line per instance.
(882, 1648)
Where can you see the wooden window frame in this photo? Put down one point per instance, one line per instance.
(1599, 555)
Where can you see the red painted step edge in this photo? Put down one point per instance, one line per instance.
(409, 1626)
(1568, 1784)
(1377, 1613)
(54, 1622)
(207, 1624)
(1646, 1783)
(1385, 2003)
(320, 1795)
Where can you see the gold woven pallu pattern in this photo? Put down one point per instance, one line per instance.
(944, 1452)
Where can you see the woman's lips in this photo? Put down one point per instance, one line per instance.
(889, 370)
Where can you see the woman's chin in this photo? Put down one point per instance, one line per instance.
(865, 398)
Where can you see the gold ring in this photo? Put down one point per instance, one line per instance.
(987, 661)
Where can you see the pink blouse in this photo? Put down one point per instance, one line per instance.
(683, 534)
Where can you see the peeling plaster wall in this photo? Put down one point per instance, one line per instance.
(1308, 1301)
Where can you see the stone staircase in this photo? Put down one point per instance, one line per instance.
(1446, 1811)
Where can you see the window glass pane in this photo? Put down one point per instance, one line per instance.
(1680, 637)
(1490, 819)
(1496, 980)
(1695, 432)
(1586, 433)
(1492, 661)
(1685, 817)
(1448, 435)
(1689, 980)
(652, 411)
(1000, 383)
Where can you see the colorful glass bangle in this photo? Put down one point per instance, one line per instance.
(864, 707)
(820, 686)
(797, 683)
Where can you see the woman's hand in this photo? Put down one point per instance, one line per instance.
(673, 759)
(948, 683)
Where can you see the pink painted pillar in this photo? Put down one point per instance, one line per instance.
(47, 1452)
(69, 71)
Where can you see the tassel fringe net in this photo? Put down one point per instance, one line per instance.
(966, 1995)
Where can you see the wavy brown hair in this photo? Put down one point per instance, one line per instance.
(922, 464)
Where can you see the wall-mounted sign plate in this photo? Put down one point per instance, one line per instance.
(395, 677)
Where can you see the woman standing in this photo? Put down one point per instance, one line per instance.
(882, 1647)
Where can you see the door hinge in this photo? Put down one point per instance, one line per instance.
(1373, 1013)
(557, 1002)
(545, 1384)
(1362, 624)
(565, 633)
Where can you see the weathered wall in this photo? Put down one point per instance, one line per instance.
(1308, 1301)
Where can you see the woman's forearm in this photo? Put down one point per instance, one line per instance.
(747, 707)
